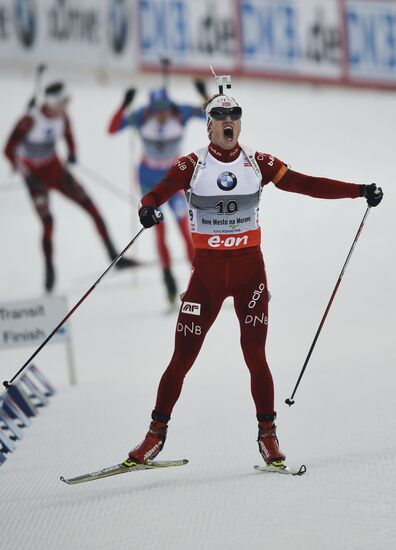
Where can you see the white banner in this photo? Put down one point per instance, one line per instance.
(291, 37)
(191, 34)
(29, 322)
(334, 41)
(371, 33)
(78, 33)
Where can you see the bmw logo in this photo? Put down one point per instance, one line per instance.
(25, 21)
(118, 25)
(227, 181)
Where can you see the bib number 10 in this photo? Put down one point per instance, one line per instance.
(227, 207)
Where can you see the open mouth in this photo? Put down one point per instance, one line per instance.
(228, 132)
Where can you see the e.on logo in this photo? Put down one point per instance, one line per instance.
(191, 308)
(227, 242)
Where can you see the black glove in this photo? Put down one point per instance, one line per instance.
(372, 193)
(200, 86)
(71, 158)
(150, 216)
(128, 97)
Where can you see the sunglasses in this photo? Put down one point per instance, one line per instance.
(221, 113)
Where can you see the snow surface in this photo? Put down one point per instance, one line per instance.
(343, 423)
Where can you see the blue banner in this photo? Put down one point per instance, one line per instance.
(164, 27)
(270, 34)
(190, 33)
(371, 40)
(291, 38)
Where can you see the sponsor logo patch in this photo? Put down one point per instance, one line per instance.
(256, 296)
(228, 242)
(254, 320)
(191, 308)
(227, 181)
(192, 329)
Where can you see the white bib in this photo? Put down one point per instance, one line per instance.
(161, 142)
(224, 197)
(40, 141)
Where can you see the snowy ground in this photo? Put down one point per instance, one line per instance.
(343, 423)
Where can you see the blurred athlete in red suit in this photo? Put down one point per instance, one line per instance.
(31, 149)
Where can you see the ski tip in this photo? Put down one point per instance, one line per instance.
(166, 463)
(64, 480)
(182, 462)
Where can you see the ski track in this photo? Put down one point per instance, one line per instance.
(343, 423)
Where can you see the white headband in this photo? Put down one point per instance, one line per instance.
(55, 99)
(219, 101)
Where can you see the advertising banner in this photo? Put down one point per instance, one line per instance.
(371, 40)
(193, 35)
(325, 41)
(76, 33)
(291, 38)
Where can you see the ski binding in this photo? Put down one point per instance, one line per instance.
(279, 467)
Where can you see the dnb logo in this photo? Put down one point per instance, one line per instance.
(118, 25)
(227, 181)
(25, 21)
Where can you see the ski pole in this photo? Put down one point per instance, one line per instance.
(165, 63)
(7, 383)
(290, 400)
(104, 182)
(38, 79)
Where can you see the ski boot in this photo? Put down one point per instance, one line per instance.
(267, 441)
(122, 262)
(170, 284)
(153, 443)
(127, 262)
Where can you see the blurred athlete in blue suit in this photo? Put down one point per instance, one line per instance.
(160, 125)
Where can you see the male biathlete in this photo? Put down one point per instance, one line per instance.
(223, 184)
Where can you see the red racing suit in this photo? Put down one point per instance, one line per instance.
(223, 189)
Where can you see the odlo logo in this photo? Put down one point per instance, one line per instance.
(227, 181)
(256, 296)
(191, 308)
